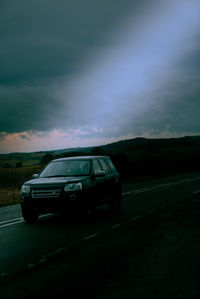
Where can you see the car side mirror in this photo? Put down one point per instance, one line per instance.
(35, 176)
(100, 173)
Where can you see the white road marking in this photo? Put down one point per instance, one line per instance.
(45, 215)
(9, 224)
(10, 220)
(196, 192)
(18, 220)
(57, 251)
(163, 206)
(137, 191)
(42, 260)
(116, 225)
(135, 218)
(31, 265)
(150, 212)
(150, 188)
(90, 237)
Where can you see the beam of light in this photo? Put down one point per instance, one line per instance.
(121, 77)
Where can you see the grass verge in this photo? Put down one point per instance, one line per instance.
(11, 180)
(9, 196)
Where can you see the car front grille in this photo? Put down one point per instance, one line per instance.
(46, 193)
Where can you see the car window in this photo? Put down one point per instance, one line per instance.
(66, 168)
(104, 166)
(111, 166)
(96, 166)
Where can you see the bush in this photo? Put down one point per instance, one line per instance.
(97, 151)
(19, 164)
(7, 165)
(46, 159)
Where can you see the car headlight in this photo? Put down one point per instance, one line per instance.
(73, 187)
(25, 189)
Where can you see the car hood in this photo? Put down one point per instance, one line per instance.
(54, 180)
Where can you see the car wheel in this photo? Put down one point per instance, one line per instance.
(29, 215)
(82, 211)
(92, 206)
(115, 203)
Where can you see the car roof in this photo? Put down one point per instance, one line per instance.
(79, 158)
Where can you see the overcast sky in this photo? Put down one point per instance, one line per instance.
(88, 72)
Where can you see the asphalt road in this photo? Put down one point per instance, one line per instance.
(22, 246)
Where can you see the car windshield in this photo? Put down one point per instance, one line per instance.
(66, 168)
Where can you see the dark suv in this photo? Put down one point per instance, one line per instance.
(77, 182)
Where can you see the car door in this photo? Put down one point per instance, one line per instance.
(109, 179)
(99, 179)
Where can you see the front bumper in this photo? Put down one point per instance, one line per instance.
(67, 201)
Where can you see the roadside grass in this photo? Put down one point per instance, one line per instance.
(11, 180)
(9, 196)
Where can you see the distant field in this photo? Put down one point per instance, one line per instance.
(27, 159)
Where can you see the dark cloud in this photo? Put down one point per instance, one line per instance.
(41, 40)
(47, 81)
(24, 108)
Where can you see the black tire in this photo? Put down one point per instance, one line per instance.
(93, 206)
(82, 211)
(29, 215)
(115, 203)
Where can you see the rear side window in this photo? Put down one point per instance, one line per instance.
(111, 166)
(96, 167)
(104, 166)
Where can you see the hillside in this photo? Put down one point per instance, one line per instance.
(145, 143)
(139, 156)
